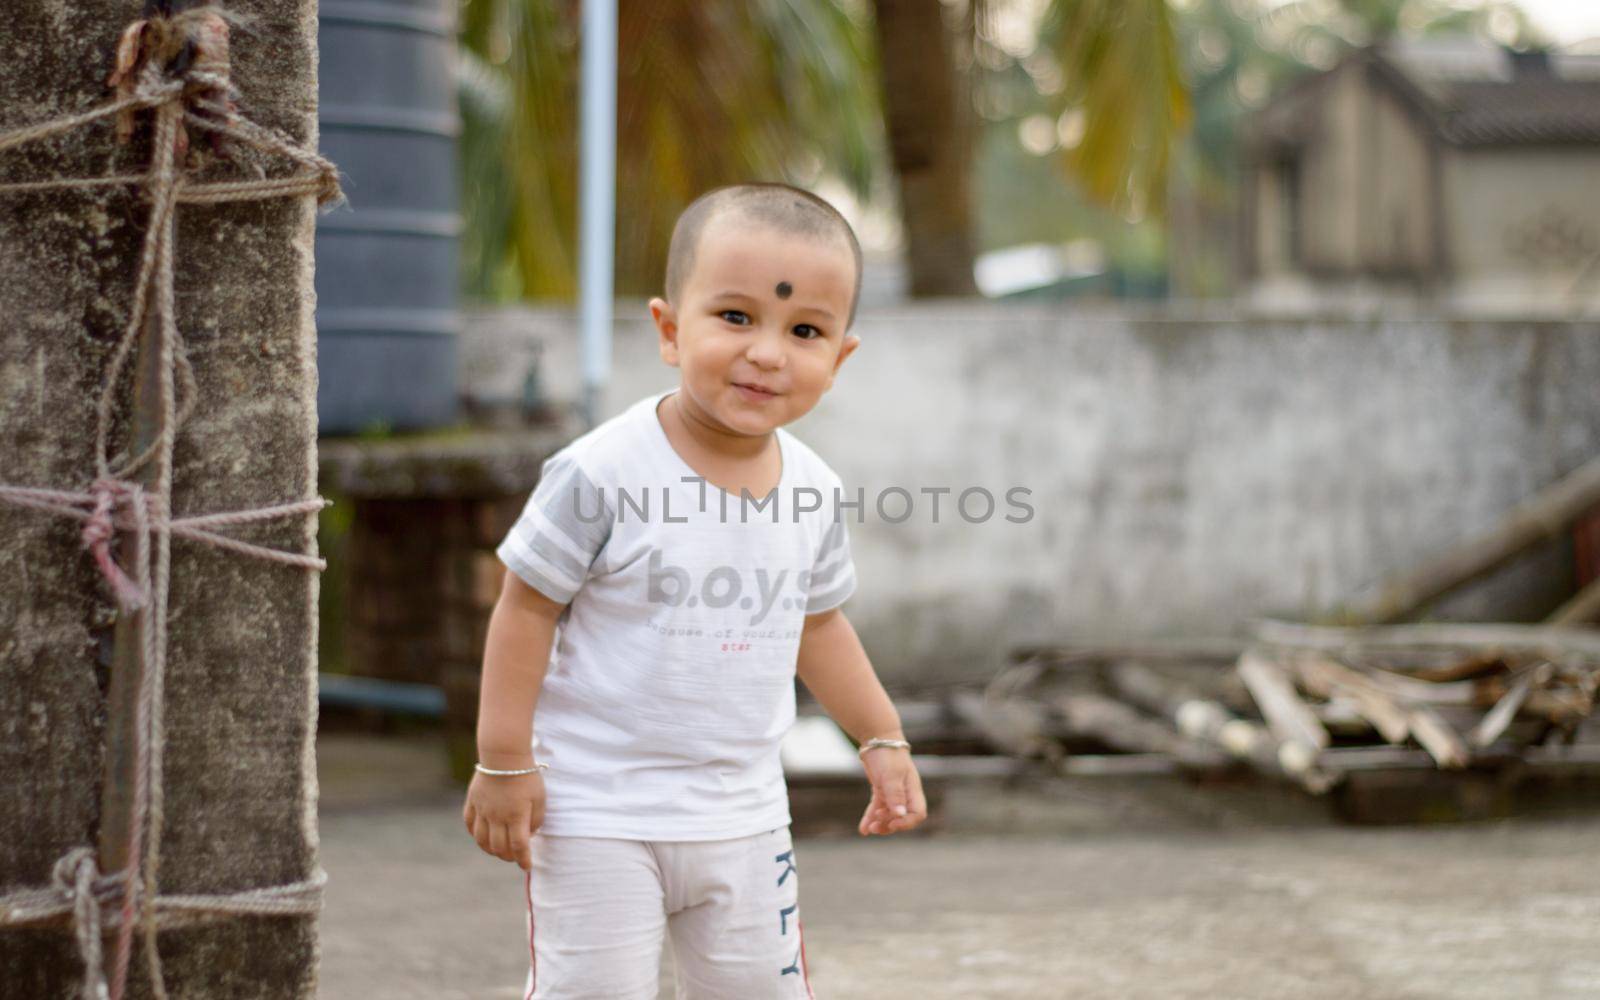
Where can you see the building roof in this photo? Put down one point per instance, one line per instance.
(1531, 108)
(1472, 93)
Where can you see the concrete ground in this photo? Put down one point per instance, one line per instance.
(1103, 890)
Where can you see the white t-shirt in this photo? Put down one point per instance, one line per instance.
(672, 677)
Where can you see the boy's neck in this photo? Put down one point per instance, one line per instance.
(709, 438)
(731, 462)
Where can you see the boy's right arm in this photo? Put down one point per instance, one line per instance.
(502, 812)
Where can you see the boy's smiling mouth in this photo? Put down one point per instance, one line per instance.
(754, 391)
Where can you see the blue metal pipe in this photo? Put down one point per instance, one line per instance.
(341, 691)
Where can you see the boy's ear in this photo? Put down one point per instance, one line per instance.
(846, 348)
(666, 321)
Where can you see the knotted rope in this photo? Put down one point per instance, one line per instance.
(177, 66)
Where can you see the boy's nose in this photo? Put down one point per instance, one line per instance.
(766, 350)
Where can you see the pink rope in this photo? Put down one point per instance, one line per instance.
(100, 528)
(98, 509)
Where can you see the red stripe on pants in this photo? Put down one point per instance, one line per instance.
(805, 973)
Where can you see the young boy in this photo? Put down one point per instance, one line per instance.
(687, 559)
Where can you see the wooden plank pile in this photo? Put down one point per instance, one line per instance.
(1310, 703)
(1306, 704)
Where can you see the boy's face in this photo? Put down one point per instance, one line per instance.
(759, 328)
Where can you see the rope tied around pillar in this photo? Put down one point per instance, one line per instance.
(178, 66)
(74, 876)
(100, 528)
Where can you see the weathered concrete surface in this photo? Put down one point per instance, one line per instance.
(240, 708)
(1188, 469)
(1095, 889)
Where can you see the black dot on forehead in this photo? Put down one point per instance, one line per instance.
(784, 289)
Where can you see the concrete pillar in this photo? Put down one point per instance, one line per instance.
(240, 709)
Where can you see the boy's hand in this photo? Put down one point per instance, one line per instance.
(897, 802)
(502, 812)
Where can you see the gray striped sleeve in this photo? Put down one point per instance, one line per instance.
(563, 527)
(833, 575)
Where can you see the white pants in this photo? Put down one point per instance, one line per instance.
(600, 909)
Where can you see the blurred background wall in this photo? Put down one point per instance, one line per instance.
(1262, 299)
(1187, 470)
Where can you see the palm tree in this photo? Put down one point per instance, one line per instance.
(709, 92)
(713, 91)
(928, 113)
(1121, 74)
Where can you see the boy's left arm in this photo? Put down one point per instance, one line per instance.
(837, 672)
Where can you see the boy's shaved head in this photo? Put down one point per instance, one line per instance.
(783, 207)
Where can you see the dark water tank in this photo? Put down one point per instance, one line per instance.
(387, 316)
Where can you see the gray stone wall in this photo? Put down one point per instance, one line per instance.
(423, 581)
(1188, 470)
(240, 781)
(416, 572)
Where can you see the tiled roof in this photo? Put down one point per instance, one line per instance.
(1531, 108)
(1470, 93)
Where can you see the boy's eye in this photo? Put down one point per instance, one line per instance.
(735, 316)
(805, 331)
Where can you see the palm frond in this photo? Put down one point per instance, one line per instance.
(709, 92)
(1120, 62)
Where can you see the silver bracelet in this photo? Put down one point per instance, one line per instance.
(879, 741)
(537, 767)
